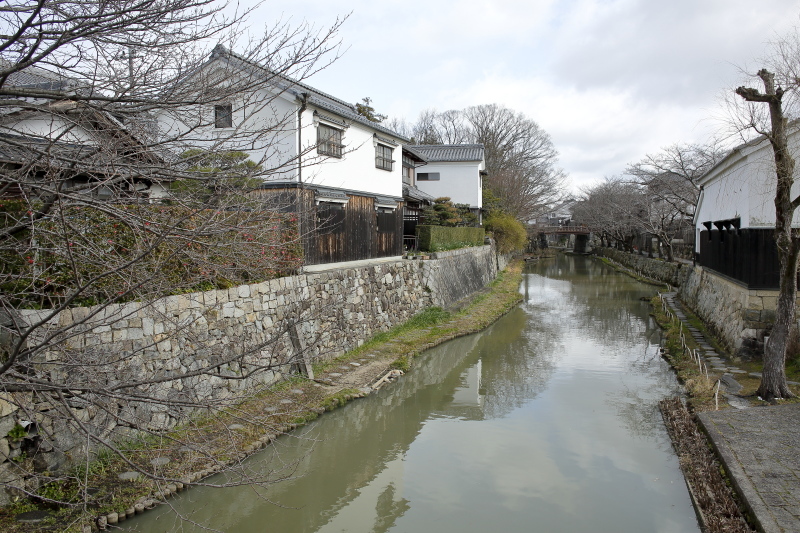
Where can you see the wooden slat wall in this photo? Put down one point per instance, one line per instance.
(332, 235)
(748, 255)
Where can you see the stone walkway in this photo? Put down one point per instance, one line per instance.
(759, 446)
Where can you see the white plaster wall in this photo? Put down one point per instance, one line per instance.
(356, 169)
(264, 127)
(744, 187)
(461, 181)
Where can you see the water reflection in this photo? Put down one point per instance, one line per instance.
(544, 422)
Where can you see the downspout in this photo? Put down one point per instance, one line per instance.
(303, 105)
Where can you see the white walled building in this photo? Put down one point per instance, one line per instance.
(452, 170)
(735, 215)
(295, 132)
(341, 172)
(49, 137)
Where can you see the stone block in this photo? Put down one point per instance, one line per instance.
(768, 315)
(7, 405)
(755, 302)
(5, 450)
(171, 304)
(243, 291)
(752, 315)
(769, 302)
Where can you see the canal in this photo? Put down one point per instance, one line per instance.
(546, 421)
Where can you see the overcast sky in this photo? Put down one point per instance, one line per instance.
(609, 80)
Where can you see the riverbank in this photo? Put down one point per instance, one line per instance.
(734, 487)
(112, 488)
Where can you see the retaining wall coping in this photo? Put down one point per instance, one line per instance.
(460, 251)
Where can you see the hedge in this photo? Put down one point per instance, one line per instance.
(439, 238)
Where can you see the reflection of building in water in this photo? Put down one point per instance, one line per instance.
(469, 393)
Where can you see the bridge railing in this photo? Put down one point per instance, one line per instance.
(563, 230)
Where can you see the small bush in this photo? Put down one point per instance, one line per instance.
(440, 238)
(509, 233)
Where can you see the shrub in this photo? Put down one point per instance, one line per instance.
(509, 233)
(443, 212)
(440, 238)
(142, 251)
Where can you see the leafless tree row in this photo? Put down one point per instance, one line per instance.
(656, 197)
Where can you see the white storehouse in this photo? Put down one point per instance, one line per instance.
(735, 215)
(452, 170)
(741, 187)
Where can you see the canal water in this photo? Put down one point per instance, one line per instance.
(547, 421)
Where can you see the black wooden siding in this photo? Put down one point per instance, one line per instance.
(746, 255)
(334, 233)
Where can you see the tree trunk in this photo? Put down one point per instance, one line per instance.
(773, 378)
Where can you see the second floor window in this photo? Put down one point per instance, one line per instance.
(383, 157)
(329, 141)
(223, 116)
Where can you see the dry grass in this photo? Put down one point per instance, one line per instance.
(709, 489)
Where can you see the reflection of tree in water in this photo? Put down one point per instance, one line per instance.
(604, 305)
(647, 380)
(517, 362)
(353, 452)
(388, 510)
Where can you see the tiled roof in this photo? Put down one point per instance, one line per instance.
(315, 97)
(37, 78)
(409, 191)
(331, 194)
(448, 152)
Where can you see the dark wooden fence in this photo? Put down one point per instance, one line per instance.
(745, 255)
(334, 232)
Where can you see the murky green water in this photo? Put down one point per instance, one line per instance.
(547, 421)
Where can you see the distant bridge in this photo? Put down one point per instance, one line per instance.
(562, 230)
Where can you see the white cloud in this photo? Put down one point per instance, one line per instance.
(610, 80)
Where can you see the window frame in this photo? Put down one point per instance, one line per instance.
(331, 145)
(428, 176)
(381, 160)
(221, 113)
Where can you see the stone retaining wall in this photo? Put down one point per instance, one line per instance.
(673, 273)
(251, 328)
(738, 316)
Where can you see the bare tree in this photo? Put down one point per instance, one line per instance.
(520, 156)
(773, 381)
(520, 160)
(425, 129)
(85, 87)
(614, 209)
(669, 179)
